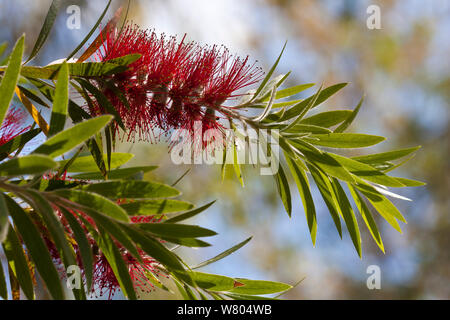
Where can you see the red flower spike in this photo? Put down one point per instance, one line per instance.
(12, 125)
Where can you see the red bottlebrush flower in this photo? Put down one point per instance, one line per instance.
(104, 280)
(12, 125)
(173, 84)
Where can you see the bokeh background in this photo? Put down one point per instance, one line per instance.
(403, 68)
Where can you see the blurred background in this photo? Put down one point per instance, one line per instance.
(402, 68)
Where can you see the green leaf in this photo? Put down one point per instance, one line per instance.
(212, 282)
(306, 128)
(57, 233)
(115, 260)
(409, 182)
(175, 230)
(131, 189)
(115, 231)
(187, 242)
(17, 143)
(298, 108)
(326, 163)
(18, 263)
(344, 140)
(46, 28)
(189, 214)
(327, 119)
(122, 173)
(3, 288)
(4, 221)
(153, 248)
(95, 202)
(269, 74)
(236, 296)
(32, 164)
(94, 28)
(350, 118)
(385, 156)
(259, 287)
(102, 100)
(87, 163)
(326, 190)
(284, 93)
(83, 245)
(367, 217)
(10, 78)
(385, 207)
(60, 101)
(157, 206)
(308, 204)
(70, 138)
(283, 189)
(222, 255)
(366, 172)
(348, 215)
(37, 249)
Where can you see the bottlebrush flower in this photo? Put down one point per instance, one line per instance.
(173, 84)
(12, 125)
(104, 280)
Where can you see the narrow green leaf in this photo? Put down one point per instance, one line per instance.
(308, 204)
(46, 27)
(83, 245)
(10, 78)
(367, 217)
(366, 172)
(37, 249)
(327, 119)
(122, 173)
(102, 100)
(60, 101)
(222, 255)
(283, 189)
(259, 287)
(269, 74)
(18, 263)
(348, 215)
(131, 189)
(175, 230)
(350, 118)
(298, 108)
(95, 202)
(344, 140)
(17, 143)
(410, 183)
(32, 164)
(284, 93)
(87, 163)
(94, 28)
(212, 282)
(115, 260)
(70, 138)
(154, 248)
(58, 235)
(189, 214)
(385, 156)
(326, 190)
(325, 162)
(385, 207)
(3, 288)
(155, 206)
(4, 221)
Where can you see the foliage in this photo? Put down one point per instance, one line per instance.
(109, 211)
